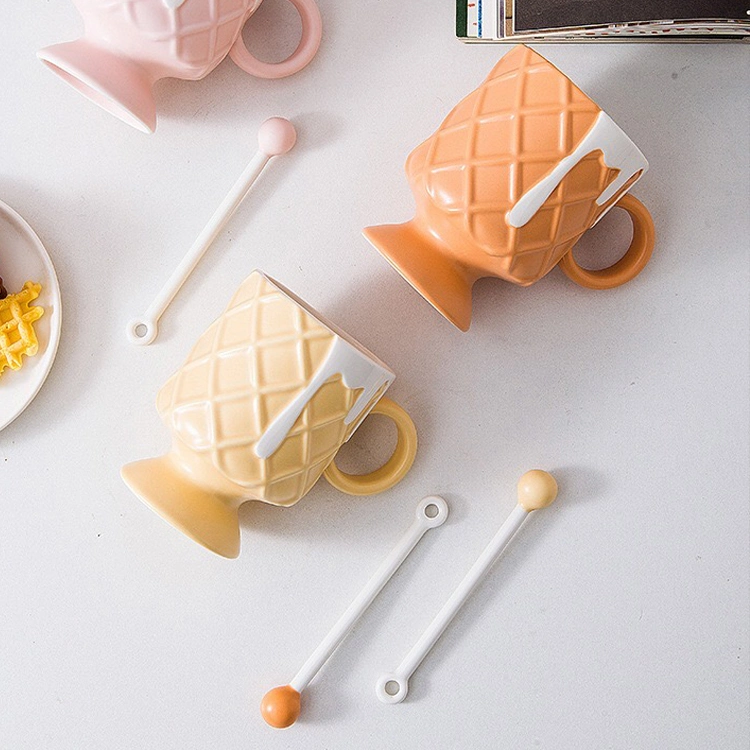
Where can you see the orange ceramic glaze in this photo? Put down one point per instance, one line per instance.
(280, 707)
(509, 182)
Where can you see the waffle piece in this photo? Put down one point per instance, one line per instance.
(17, 335)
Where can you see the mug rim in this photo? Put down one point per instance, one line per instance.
(622, 132)
(335, 330)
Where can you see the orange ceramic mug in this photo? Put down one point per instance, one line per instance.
(507, 185)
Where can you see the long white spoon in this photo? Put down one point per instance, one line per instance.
(276, 136)
(536, 489)
(281, 706)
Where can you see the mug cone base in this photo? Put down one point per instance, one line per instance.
(116, 84)
(201, 515)
(417, 257)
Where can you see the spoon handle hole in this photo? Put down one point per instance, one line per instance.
(141, 332)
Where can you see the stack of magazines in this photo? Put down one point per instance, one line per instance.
(596, 20)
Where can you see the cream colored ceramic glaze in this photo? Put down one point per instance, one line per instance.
(356, 372)
(263, 395)
(618, 151)
(258, 411)
(537, 489)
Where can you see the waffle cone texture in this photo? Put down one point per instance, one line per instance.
(494, 146)
(240, 375)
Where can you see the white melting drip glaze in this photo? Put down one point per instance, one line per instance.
(356, 372)
(619, 153)
(173, 3)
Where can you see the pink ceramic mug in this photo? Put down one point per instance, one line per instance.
(128, 45)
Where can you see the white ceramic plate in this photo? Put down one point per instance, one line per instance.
(23, 258)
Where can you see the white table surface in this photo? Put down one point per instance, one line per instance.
(617, 619)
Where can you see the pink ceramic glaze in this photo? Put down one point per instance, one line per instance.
(128, 45)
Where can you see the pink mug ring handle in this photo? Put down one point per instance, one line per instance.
(312, 31)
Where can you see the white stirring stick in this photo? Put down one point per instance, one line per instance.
(281, 706)
(536, 489)
(276, 136)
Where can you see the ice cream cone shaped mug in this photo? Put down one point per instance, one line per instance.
(128, 45)
(258, 411)
(508, 184)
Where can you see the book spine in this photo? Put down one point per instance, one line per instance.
(472, 19)
(489, 26)
(461, 19)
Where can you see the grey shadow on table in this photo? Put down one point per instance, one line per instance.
(82, 329)
(324, 511)
(229, 96)
(276, 181)
(325, 700)
(385, 314)
(276, 185)
(577, 484)
(606, 242)
(599, 247)
(648, 96)
(317, 515)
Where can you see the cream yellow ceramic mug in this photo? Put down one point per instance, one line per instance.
(258, 411)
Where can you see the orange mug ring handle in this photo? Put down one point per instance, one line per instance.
(394, 469)
(631, 264)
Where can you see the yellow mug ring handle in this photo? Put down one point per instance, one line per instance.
(631, 264)
(394, 469)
